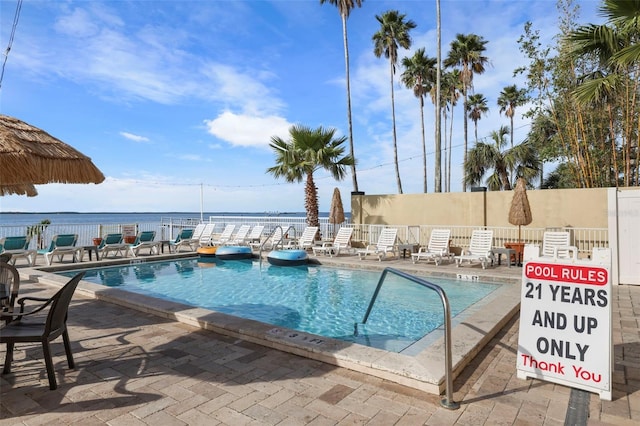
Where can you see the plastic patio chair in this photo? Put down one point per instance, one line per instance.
(9, 287)
(20, 330)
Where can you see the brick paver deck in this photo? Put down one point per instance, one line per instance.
(137, 369)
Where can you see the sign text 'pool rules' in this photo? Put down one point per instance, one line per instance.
(565, 321)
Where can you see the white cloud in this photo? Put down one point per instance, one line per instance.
(246, 130)
(135, 138)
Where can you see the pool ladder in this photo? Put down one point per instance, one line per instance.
(280, 241)
(447, 401)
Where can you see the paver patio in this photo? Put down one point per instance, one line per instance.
(135, 368)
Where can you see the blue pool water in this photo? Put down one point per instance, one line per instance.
(321, 300)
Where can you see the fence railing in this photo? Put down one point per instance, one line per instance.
(583, 238)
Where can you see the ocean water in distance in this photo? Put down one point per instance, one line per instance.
(142, 217)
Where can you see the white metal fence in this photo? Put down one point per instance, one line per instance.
(583, 238)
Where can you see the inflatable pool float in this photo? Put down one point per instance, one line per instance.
(207, 254)
(288, 257)
(234, 252)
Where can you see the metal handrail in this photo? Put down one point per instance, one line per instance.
(283, 233)
(448, 401)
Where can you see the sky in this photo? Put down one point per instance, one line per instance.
(176, 101)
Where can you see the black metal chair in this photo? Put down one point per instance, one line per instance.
(9, 287)
(21, 330)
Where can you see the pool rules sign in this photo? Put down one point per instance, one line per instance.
(565, 321)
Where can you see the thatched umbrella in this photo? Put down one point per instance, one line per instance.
(520, 211)
(26, 189)
(30, 156)
(336, 211)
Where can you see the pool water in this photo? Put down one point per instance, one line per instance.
(316, 299)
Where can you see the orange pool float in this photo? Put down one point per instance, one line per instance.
(207, 251)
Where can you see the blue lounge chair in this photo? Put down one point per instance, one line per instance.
(112, 243)
(184, 239)
(18, 247)
(145, 240)
(61, 245)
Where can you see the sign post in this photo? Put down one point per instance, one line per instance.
(565, 321)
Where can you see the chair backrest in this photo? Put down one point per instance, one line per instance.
(242, 233)
(57, 317)
(197, 232)
(145, 237)
(439, 241)
(115, 238)
(14, 243)
(207, 233)
(227, 232)
(185, 234)
(481, 242)
(256, 232)
(343, 237)
(9, 286)
(553, 239)
(308, 235)
(63, 240)
(387, 237)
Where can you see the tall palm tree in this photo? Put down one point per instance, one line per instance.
(450, 86)
(393, 33)
(509, 99)
(467, 52)
(306, 151)
(438, 101)
(477, 108)
(490, 157)
(419, 75)
(344, 8)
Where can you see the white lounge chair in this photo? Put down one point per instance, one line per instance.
(240, 237)
(479, 249)
(341, 242)
(224, 237)
(184, 239)
(271, 241)
(437, 249)
(198, 230)
(386, 244)
(557, 244)
(206, 236)
(60, 246)
(255, 235)
(18, 247)
(307, 239)
(145, 240)
(112, 243)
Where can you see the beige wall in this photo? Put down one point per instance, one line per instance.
(579, 208)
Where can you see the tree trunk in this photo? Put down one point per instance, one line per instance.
(395, 143)
(346, 61)
(438, 141)
(424, 145)
(311, 201)
(466, 125)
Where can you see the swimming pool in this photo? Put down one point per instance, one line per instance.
(325, 301)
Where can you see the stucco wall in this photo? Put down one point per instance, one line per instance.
(579, 208)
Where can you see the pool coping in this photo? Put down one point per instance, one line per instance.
(424, 371)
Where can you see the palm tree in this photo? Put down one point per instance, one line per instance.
(344, 8)
(306, 151)
(477, 108)
(438, 101)
(450, 89)
(419, 75)
(466, 52)
(510, 98)
(490, 157)
(394, 32)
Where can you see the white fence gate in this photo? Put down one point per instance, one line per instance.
(624, 226)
